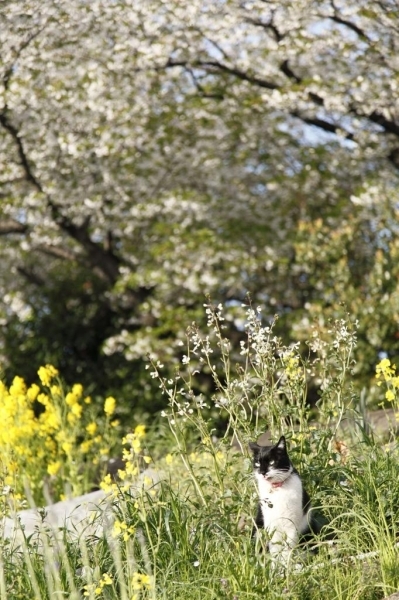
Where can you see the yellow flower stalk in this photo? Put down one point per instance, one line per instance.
(44, 430)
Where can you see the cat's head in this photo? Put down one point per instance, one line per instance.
(272, 462)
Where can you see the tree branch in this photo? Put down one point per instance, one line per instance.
(218, 66)
(57, 252)
(388, 125)
(316, 99)
(105, 261)
(31, 276)
(349, 24)
(288, 72)
(324, 125)
(12, 130)
(11, 226)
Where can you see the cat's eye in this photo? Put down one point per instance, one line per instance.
(257, 464)
(271, 462)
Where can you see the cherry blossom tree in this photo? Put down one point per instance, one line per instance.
(152, 152)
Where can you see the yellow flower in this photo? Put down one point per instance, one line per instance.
(77, 410)
(122, 474)
(293, 368)
(109, 406)
(88, 589)
(147, 459)
(139, 431)
(106, 484)
(390, 395)
(91, 428)
(120, 527)
(141, 581)
(385, 369)
(43, 399)
(53, 468)
(136, 445)
(77, 390)
(107, 579)
(131, 469)
(67, 447)
(46, 374)
(71, 418)
(18, 387)
(49, 420)
(169, 459)
(12, 466)
(71, 399)
(85, 446)
(33, 392)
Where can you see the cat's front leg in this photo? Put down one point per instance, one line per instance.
(281, 545)
(259, 522)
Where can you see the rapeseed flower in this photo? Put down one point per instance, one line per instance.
(387, 372)
(47, 374)
(47, 443)
(17, 387)
(86, 446)
(384, 370)
(53, 468)
(139, 431)
(91, 428)
(141, 581)
(77, 390)
(121, 528)
(109, 406)
(77, 410)
(97, 588)
(33, 392)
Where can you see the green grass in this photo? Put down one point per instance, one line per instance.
(193, 550)
(189, 536)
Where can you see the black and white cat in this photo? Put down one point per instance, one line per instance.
(284, 505)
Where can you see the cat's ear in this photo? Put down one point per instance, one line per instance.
(254, 447)
(281, 443)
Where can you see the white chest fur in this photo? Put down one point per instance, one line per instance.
(282, 511)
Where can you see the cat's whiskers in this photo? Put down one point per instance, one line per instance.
(278, 475)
